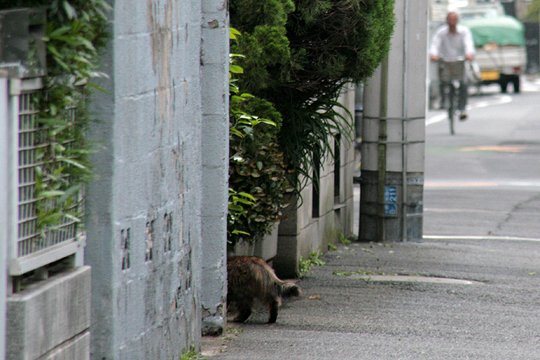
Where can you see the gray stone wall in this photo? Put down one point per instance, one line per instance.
(145, 233)
(215, 160)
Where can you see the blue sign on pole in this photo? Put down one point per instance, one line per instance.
(390, 200)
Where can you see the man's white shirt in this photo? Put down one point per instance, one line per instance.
(452, 47)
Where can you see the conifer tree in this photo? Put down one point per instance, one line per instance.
(300, 53)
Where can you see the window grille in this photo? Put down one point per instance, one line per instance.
(30, 247)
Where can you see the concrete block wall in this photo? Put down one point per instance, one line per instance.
(300, 233)
(51, 319)
(146, 215)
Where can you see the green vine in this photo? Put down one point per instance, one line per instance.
(76, 31)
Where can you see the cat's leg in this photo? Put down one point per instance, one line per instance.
(273, 308)
(244, 311)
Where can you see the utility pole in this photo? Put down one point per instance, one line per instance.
(393, 133)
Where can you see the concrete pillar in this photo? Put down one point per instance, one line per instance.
(144, 207)
(215, 161)
(393, 133)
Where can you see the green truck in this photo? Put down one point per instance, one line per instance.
(500, 50)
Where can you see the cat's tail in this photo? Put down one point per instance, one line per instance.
(284, 288)
(289, 289)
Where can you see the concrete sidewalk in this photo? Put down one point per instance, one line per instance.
(438, 299)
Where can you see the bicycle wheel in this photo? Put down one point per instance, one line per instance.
(451, 108)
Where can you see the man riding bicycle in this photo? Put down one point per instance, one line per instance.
(453, 42)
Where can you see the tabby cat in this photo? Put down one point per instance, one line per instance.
(250, 278)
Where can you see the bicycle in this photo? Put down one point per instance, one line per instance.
(452, 76)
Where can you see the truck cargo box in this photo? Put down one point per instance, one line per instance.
(500, 49)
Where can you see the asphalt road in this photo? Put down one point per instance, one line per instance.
(470, 290)
(485, 180)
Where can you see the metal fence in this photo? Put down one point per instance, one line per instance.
(32, 246)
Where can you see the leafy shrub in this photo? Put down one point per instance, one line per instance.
(257, 170)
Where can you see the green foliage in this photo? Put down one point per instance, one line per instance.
(336, 41)
(342, 239)
(257, 180)
(240, 203)
(533, 11)
(305, 265)
(307, 136)
(191, 354)
(76, 30)
(358, 272)
(299, 54)
(256, 171)
(264, 40)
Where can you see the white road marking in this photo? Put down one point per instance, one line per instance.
(476, 237)
(499, 100)
(460, 184)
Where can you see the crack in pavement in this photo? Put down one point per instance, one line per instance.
(516, 208)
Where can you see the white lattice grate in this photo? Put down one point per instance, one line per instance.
(36, 247)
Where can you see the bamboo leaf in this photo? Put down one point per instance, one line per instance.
(70, 11)
(72, 162)
(246, 195)
(235, 69)
(72, 217)
(52, 193)
(59, 32)
(233, 33)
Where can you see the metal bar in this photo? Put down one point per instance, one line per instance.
(13, 121)
(394, 142)
(5, 214)
(381, 150)
(21, 265)
(404, 128)
(394, 118)
(413, 215)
